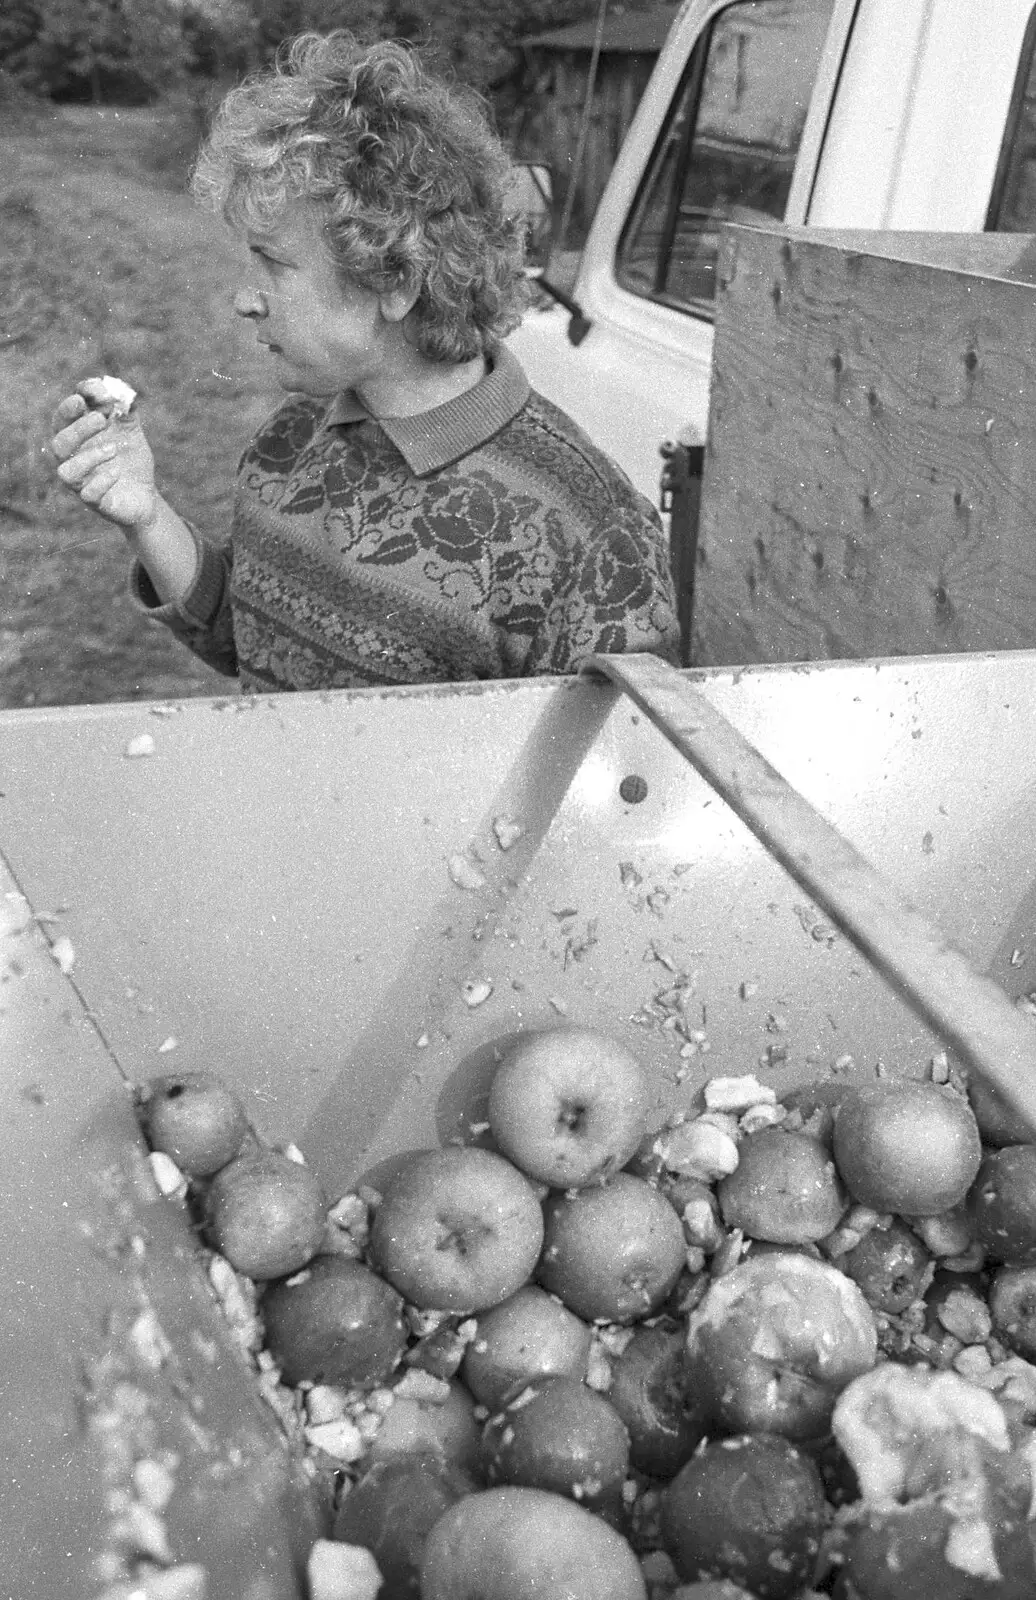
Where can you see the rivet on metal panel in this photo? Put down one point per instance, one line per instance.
(633, 789)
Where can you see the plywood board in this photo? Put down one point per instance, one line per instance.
(870, 470)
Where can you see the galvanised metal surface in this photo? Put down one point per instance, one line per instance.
(346, 903)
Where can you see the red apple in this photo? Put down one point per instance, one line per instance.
(444, 1427)
(567, 1105)
(906, 1146)
(891, 1266)
(391, 1512)
(774, 1342)
(266, 1213)
(194, 1119)
(1012, 1304)
(527, 1544)
(784, 1189)
(457, 1230)
(751, 1509)
(1003, 1205)
(612, 1252)
(557, 1434)
(530, 1335)
(651, 1393)
(334, 1322)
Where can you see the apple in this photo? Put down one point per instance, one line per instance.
(516, 1543)
(944, 1499)
(557, 1434)
(194, 1119)
(751, 1509)
(334, 1322)
(784, 1189)
(446, 1427)
(612, 1252)
(906, 1146)
(774, 1342)
(651, 1393)
(1012, 1305)
(266, 1213)
(891, 1266)
(457, 1229)
(392, 1510)
(529, 1335)
(1003, 1205)
(568, 1105)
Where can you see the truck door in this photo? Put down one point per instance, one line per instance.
(740, 92)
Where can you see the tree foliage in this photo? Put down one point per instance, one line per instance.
(134, 49)
(120, 49)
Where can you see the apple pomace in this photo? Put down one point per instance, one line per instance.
(195, 1119)
(751, 1509)
(945, 1501)
(529, 1335)
(266, 1213)
(774, 1342)
(458, 1229)
(612, 1252)
(334, 1322)
(906, 1146)
(526, 1544)
(785, 1189)
(557, 1434)
(568, 1106)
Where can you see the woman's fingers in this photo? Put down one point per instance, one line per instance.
(71, 435)
(76, 468)
(99, 481)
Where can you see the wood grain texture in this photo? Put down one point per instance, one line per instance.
(870, 472)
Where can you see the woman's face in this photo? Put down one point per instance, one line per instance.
(323, 335)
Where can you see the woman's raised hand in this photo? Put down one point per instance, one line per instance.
(105, 457)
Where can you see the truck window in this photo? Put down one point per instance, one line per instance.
(727, 148)
(1012, 207)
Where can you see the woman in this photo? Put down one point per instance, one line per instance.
(413, 512)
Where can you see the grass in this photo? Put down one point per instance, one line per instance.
(106, 266)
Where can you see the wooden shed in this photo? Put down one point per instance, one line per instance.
(556, 76)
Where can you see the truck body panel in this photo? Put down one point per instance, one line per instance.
(910, 105)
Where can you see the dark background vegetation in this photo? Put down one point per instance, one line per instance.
(107, 266)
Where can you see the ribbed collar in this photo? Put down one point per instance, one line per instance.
(432, 439)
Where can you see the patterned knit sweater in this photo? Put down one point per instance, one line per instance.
(487, 538)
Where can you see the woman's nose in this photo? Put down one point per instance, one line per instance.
(251, 303)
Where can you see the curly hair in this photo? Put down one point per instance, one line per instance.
(412, 182)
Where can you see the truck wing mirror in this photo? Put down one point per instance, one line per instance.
(532, 199)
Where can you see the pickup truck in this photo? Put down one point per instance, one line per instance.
(887, 114)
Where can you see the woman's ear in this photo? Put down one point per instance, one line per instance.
(397, 304)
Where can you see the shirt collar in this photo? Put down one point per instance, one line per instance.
(433, 439)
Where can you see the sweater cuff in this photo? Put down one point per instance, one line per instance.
(200, 606)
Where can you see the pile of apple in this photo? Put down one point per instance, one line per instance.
(772, 1349)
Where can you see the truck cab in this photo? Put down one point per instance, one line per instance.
(868, 114)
